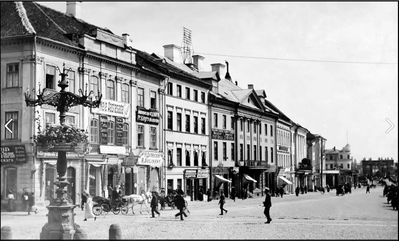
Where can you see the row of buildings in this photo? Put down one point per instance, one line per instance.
(163, 123)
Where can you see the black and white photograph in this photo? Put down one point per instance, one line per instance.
(209, 120)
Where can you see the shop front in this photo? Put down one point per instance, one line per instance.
(196, 183)
(220, 174)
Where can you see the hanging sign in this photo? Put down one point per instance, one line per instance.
(13, 154)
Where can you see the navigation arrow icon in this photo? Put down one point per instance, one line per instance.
(391, 125)
(6, 125)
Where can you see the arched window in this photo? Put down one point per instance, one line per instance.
(94, 130)
(94, 85)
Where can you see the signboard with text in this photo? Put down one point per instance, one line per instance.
(222, 135)
(114, 108)
(147, 116)
(13, 154)
(103, 129)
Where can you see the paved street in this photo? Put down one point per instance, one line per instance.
(309, 216)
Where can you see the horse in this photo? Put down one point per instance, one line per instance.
(142, 199)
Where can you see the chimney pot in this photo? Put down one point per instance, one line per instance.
(219, 68)
(73, 9)
(250, 86)
(173, 53)
(198, 61)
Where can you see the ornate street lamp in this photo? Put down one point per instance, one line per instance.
(60, 223)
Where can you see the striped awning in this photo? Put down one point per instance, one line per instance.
(222, 178)
(249, 178)
(285, 180)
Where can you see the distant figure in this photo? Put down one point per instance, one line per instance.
(306, 189)
(11, 200)
(208, 194)
(89, 208)
(180, 204)
(221, 203)
(368, 188)
(233, 194)
(328, 188)
(297, 191)
(302, 190)
(267, 204)
(31, 203)
(83, 200)
(154, 205)
(281, 192)
(25, 201)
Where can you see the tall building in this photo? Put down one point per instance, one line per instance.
(338, 166)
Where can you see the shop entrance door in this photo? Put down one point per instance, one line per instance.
(71, 178)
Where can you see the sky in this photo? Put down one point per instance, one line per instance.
(331, 67)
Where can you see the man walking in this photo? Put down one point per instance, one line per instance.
(154, 205)
(368, 188)
(221, 203)
(180, 204)
(267, 203)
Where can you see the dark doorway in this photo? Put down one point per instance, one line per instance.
(71, 178)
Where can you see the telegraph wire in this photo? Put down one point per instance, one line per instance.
(301, 60)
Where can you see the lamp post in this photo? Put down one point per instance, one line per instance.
(60, 223)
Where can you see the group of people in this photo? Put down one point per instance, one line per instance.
(178, 202)
(391, 193)
(28, 201)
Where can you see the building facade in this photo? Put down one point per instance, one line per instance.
(338, 166)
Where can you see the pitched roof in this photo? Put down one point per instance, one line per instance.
(46, 22)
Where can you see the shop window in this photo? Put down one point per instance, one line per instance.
(170, 185)
(187, 123)
(153, 99)
(178, 121)
(50, 77)
(196, 158)
(188, 163)
(170, 88)
(125, 134)
(71, 82)
(111, 132)
(196, 124)
(140, 135)
(170, 120)
(178, 89)
(215, 150)
(153, 137)
(94, 130)
(196, 95)
(125, 93)
(13, 125)
(110, 90)
(203, 125)
(12, 78)
(10, 185)
(178, 157)
(179, 183)
(140, 97)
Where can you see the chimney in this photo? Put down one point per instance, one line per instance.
(227, 73)
(250, 86)
(198, 61)
(219, 68)
(173, 53)
(126, 40)
(73, 9)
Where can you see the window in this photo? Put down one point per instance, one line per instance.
(215, 120)
(232, 151)
(215, 150)
(224, 151)
(170, 120)
(248, 126)
(187, 158)
(13, 125)
(260, 151)
(178, 120)
(50, 77)
(153, 100)
(196, 95)
(203, 125)
(255, 149)
(187, 93)
(10, 180)
(271, 130)
(71, 82)
(340, 156)
(140, 135)
(125, 93)
(260, 129)
(94, 85)
(12, 78)
(248, 151)
(241, 152)
(178, 156)
(241, 124)
(265, 129)
(153, 137)
(331, 166)
(187, 123)
(224, 122)
(266, 153)
(178, 89)
(170, 88)
(203, 159)
(140, 97)
(271, 154)
(94, 130)
(196, 124)
(49, 118)
(232, 122)
(70, 120)
(196, 158)
(349, 165)
(348, 157)
(110, 90)
(203, 97)
(125, 134)
(111, 132)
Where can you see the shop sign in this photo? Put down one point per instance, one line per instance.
(13, 154)
(190, 173)
(103, 129)
(69, 155)
(150, 158)
(222, 135)
(283, 148)
(114, 108)
(147, 116)
(201, 173)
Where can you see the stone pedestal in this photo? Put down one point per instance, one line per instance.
(61, 223)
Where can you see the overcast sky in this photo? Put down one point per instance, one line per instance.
(340, 101)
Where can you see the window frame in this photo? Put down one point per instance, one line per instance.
(140, 97)
(140, 136)
(125, 93)
(153, 137)
(169, 117)
(12, 77)
(153, 100)
(13, 125)
(110, 87)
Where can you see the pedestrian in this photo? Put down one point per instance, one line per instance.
(222, 201)
(267, 204)
(180, 204)
(302, 190)
(233, 194)
(25, 201)
(31, 203)
(208, 193)
(281, 191)
(154, 204)
(306, 189)
(83, 199)
(368, 188)
(328, 188)
(11, 200)
(297, 191)
(89, 208)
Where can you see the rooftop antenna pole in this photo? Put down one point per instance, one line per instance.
(187, 49)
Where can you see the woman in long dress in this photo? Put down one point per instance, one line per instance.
(89, 208)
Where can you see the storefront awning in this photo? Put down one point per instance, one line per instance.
(222, 178)
(331, 172)
(249, 178)
(285, 180)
